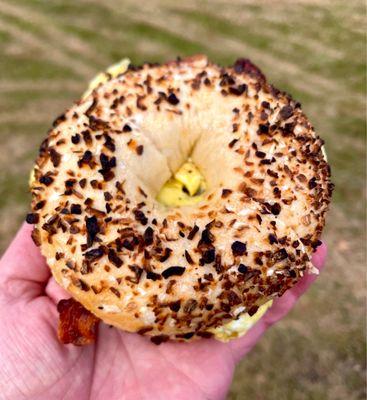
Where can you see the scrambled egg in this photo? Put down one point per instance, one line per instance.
(185, 188)
(239, 326)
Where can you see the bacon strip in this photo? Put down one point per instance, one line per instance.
(76, 324)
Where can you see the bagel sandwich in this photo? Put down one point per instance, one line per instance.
(178, 200)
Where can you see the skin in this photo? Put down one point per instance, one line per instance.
(34, 365)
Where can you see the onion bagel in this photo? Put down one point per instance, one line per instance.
(180, 272)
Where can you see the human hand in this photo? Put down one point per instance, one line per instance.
(120, 365)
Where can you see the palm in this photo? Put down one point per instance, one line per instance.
(139, 369)
(34, 365)
(118, 366)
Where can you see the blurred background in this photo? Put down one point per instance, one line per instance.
(314, 49)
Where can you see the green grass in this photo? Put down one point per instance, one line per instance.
(19, 66)
(313, 49)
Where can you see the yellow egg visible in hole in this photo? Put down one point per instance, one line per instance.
(185, 188)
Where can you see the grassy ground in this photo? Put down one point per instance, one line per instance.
(312, 48)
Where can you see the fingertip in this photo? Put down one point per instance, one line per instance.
(22, 245)
(285, 303)
(22, 265)
(281, 306)
(319, 257)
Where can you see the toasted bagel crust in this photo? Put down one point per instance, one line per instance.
(177, 272)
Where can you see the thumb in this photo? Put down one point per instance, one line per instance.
(23, 270)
